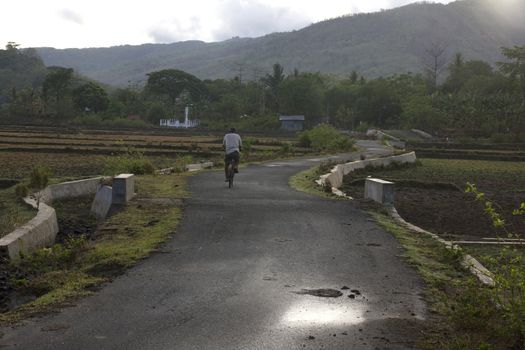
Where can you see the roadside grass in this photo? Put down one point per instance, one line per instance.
(488, 254)
(13, 212)
(65, 272)
(304, 181)
(463, 312)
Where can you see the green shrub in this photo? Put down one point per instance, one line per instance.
(287, 148)
(39, 177)
(131, 161)
(506, 299)
(22, 190)
(181, 162)
(325, 138)
(247, 144)
(56, 257)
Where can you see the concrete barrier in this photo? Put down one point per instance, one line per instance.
(189, 167)
(70, 189)
(41, 231)
(37, 233)
(102, 202)
(380, 191)
(199, 166)
(334, 179)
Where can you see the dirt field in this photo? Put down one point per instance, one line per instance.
(168, 142)
(432, 195)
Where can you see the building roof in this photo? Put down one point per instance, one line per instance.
(291, 118)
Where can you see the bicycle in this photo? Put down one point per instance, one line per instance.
(231, 172)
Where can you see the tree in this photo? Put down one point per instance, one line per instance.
(303, 95)
(273, 82)
(172, 83)
(90, 97)
(515, 69)
(435, 66)
(56, 84)
(378, 104)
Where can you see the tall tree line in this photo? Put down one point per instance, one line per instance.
(474, 100)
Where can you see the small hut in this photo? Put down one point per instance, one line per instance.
(292, 122)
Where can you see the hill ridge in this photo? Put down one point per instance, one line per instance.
(375, 44)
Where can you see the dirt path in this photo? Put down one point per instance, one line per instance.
(260, 266)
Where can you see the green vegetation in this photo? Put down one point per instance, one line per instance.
(13, 212)
(472, 101)
(305, 181)
(70, 270)
(325, 138)
(468, 313)
(130, 162)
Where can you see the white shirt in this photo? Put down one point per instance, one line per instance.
(232, 142)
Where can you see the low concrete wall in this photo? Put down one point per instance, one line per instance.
(71, 189)
(189, 167)
(422, 134)
(335, 178)
(41, 231)
(199, 166)
(37, 233)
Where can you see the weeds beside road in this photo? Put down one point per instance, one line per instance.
(75, 268)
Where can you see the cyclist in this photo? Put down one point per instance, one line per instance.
(232, 145)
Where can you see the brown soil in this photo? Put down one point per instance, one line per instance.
(442, 208)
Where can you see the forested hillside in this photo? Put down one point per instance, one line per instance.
(19, 69)
(377, 44)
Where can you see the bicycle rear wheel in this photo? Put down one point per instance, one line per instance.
(231, 174)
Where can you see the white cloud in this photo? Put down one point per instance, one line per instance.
(175, 30)
(71, 16)
(253, 18)
(66, 23)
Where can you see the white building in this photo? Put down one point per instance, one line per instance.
(175, 123)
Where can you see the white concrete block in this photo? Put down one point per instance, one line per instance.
(199, 166)
(123, 188)
(380, 191)
(102, 202)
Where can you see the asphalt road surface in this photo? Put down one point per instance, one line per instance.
(237, 276)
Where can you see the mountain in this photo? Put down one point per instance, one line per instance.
(375, 44)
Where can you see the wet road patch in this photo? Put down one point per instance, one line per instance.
(322, 293)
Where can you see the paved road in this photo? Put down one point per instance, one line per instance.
(227, 278)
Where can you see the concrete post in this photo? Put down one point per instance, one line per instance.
(380, 191)
(123, 188)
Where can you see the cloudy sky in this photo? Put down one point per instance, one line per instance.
(98, 23)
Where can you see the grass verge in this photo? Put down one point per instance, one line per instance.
(305, 182)
(13, 211)
(464, 313)
(68, 271)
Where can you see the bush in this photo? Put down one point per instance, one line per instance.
(181, 162)
(287, 148)
(247, 144)
(507, 297)
(56, 257)
(39, 177)
(132, 161)
(22, 190)
(325, 138)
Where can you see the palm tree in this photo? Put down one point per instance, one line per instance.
(273, 82)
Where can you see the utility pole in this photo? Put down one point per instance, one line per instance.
(240, 67)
